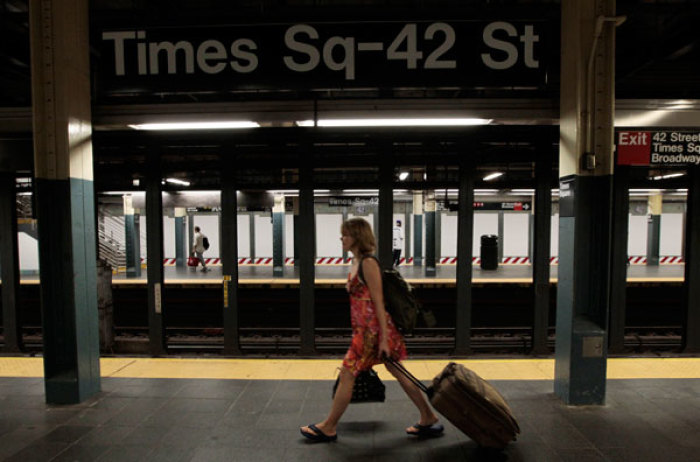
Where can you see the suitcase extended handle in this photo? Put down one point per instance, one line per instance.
(408, 375)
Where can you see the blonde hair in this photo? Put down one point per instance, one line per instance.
(361, 232)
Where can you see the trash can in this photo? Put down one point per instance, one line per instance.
(489, 252)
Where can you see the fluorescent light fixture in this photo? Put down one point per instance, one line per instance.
(403, 176)
(197, 125)
(177, 181)
(522, 192)
(492, 176)
(670, 175)
(443, 122)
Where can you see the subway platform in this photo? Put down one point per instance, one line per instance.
(250, 410)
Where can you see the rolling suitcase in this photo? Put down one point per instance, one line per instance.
(471, 404)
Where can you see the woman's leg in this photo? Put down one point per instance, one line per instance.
(427, 416)
(343, 395)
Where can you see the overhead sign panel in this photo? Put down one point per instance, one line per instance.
(658, 147)
(325, 55)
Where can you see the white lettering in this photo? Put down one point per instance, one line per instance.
(529, 39)
(294, 45)
(668, 148)
(348, 62)
(119, 38)
(634, 139)
(507, 47)
(218, 52)
(239, 50)
(141, 53)
(171, 53)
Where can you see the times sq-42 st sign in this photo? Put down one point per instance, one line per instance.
(326, 55)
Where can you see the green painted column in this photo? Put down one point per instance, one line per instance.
(585, 200)
(133, 239)
(654, 229)
(64, 198)
(182, 248)
(430, 268)
(9, 264)
(278, 237)
(417, 228)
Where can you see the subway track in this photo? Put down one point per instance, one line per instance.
(269, 320)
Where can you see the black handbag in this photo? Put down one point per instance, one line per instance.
(368, 388)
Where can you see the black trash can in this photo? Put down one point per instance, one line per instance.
(489, 252)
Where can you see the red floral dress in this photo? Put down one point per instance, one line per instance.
(364, 349)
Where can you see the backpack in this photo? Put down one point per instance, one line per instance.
(400, 301)
(205, 243)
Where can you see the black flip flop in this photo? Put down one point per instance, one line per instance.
(427, 431)
(318, 436)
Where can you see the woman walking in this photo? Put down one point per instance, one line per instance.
(374, 335)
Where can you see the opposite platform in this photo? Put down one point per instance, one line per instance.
(254, 414)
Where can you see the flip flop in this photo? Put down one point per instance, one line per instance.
(318, 436)
(427, 431)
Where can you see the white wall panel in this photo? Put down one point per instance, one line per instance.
(243, 221)
(448, 235)
(28, 249)
(484, 223)
(637, 238)
(289, 235)
(516, 233)
(263, 235)
(169, 238)
(209, 224)
(554, 233)
(328, 235)
(671, 234)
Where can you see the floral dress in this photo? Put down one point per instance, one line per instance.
(364, 349)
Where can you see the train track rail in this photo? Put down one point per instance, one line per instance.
(429, 342)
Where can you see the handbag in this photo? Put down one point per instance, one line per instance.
(368, 388)
(192, 261)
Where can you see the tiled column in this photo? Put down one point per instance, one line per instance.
(64, 198)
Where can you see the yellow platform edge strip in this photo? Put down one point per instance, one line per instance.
(326, 369)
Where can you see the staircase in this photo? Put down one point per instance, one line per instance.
(111, 239)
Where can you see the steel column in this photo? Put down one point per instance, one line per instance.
(229, 256)
(386, 208)
(618, 265)
(307, 246)
(465, 232)
(541, 250)
(691, 320)
(154, 255)
(9, 264)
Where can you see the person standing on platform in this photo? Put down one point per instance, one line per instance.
(198, 247)
(374, 337)
(397, 242)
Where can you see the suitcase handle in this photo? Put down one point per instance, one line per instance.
(408, 375)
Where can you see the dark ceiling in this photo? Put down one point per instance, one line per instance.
(658, 47)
